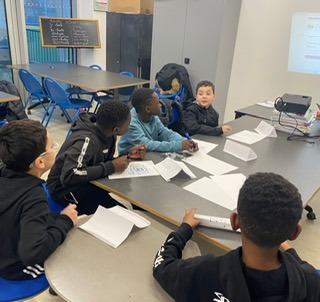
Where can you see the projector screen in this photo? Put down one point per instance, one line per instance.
(304, 50)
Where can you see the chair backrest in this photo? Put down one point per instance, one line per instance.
(21, 290)
(95, 66)
(53, 206)
(127, 90)
(29, 81)
(55, 91)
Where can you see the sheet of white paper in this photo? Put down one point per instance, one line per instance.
(137, 169)
(247, 137)
(108, 227)
(267, 104)
(169, 168)
(210, 164)
(266, 129)
(240, 151)
(230, 183)
(134, 217)
(208, 189)
(204, 147)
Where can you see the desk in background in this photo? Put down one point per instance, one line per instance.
(255, 111)
(85, 269)
(82, 76)
(296, 161)
(6, 97)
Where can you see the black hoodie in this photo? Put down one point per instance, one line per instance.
(29, 232)
(85, 155)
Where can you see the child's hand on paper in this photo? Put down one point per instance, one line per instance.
(120, 163)
(190, 145)
(71, 212)
(138, 152)
(190, 219)
(226, 129)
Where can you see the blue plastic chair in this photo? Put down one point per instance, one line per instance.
(58, 97)
(53, 206)
(78, 91)
(21, 290)
(126, 92)
(175, 96)
(32, 85)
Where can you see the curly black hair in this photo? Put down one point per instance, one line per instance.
(141, 98)
(269, 209)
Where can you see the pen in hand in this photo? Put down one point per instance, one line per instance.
(189, 138)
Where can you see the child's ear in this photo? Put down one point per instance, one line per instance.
(115, 131)
(234, 221)
(39, 163)
(147, 109)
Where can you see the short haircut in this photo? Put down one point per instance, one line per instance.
(269, 209)
(205, 84)
(141, 98)
(21, 142)
(111, 114)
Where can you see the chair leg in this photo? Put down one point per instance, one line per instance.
(50, 115)
(46, 112)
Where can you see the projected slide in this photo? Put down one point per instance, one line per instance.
(304, 51)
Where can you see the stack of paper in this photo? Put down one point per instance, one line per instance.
(290, 121)
(113, 225)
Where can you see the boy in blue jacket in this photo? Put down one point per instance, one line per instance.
(264, 269)
(146, 127)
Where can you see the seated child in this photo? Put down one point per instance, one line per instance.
(146, 127)
(265, 268)
(87, 154)
(29, 232)
(199, 117)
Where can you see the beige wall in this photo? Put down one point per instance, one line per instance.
(260, 60)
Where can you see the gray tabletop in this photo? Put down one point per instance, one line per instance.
(255, 111)
(84, 268)
(82, 76)
(296, 161)
(6, 97)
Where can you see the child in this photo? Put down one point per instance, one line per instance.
(199, 117)
(265, 268)
(87, 154)
(146, 127)
(29, 232)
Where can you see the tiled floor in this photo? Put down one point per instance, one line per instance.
(307, 245)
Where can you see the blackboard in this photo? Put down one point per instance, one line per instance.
(69, 32)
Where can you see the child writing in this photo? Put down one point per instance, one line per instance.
(88, 154)
(265, 268)
(146, 127)
(199, 117)
(29, 232)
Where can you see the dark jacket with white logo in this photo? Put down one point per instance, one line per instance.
(29, 232)
(221, 279)
(85, 155)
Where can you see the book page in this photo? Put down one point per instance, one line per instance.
(137, 219)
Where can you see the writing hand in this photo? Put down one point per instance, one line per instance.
(137, 152)
(71, 212)
(120, 163)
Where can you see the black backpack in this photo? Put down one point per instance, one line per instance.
(167, 115)
(12, 110)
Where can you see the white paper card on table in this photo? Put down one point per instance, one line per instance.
(240, 151)
(210, 164)
(247, 137)
(112, 226)
(267, 104)
(204, 147)
(231, 183)
(266, 129)
(208, 189)
(137, 169)
(169, 168)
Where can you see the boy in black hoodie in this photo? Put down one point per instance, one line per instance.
(29, 232)
(264, 269)
(199, 117)
(88, 154)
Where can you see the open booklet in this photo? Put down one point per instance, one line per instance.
(113, 225)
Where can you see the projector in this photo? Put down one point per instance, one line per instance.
(293, 103)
